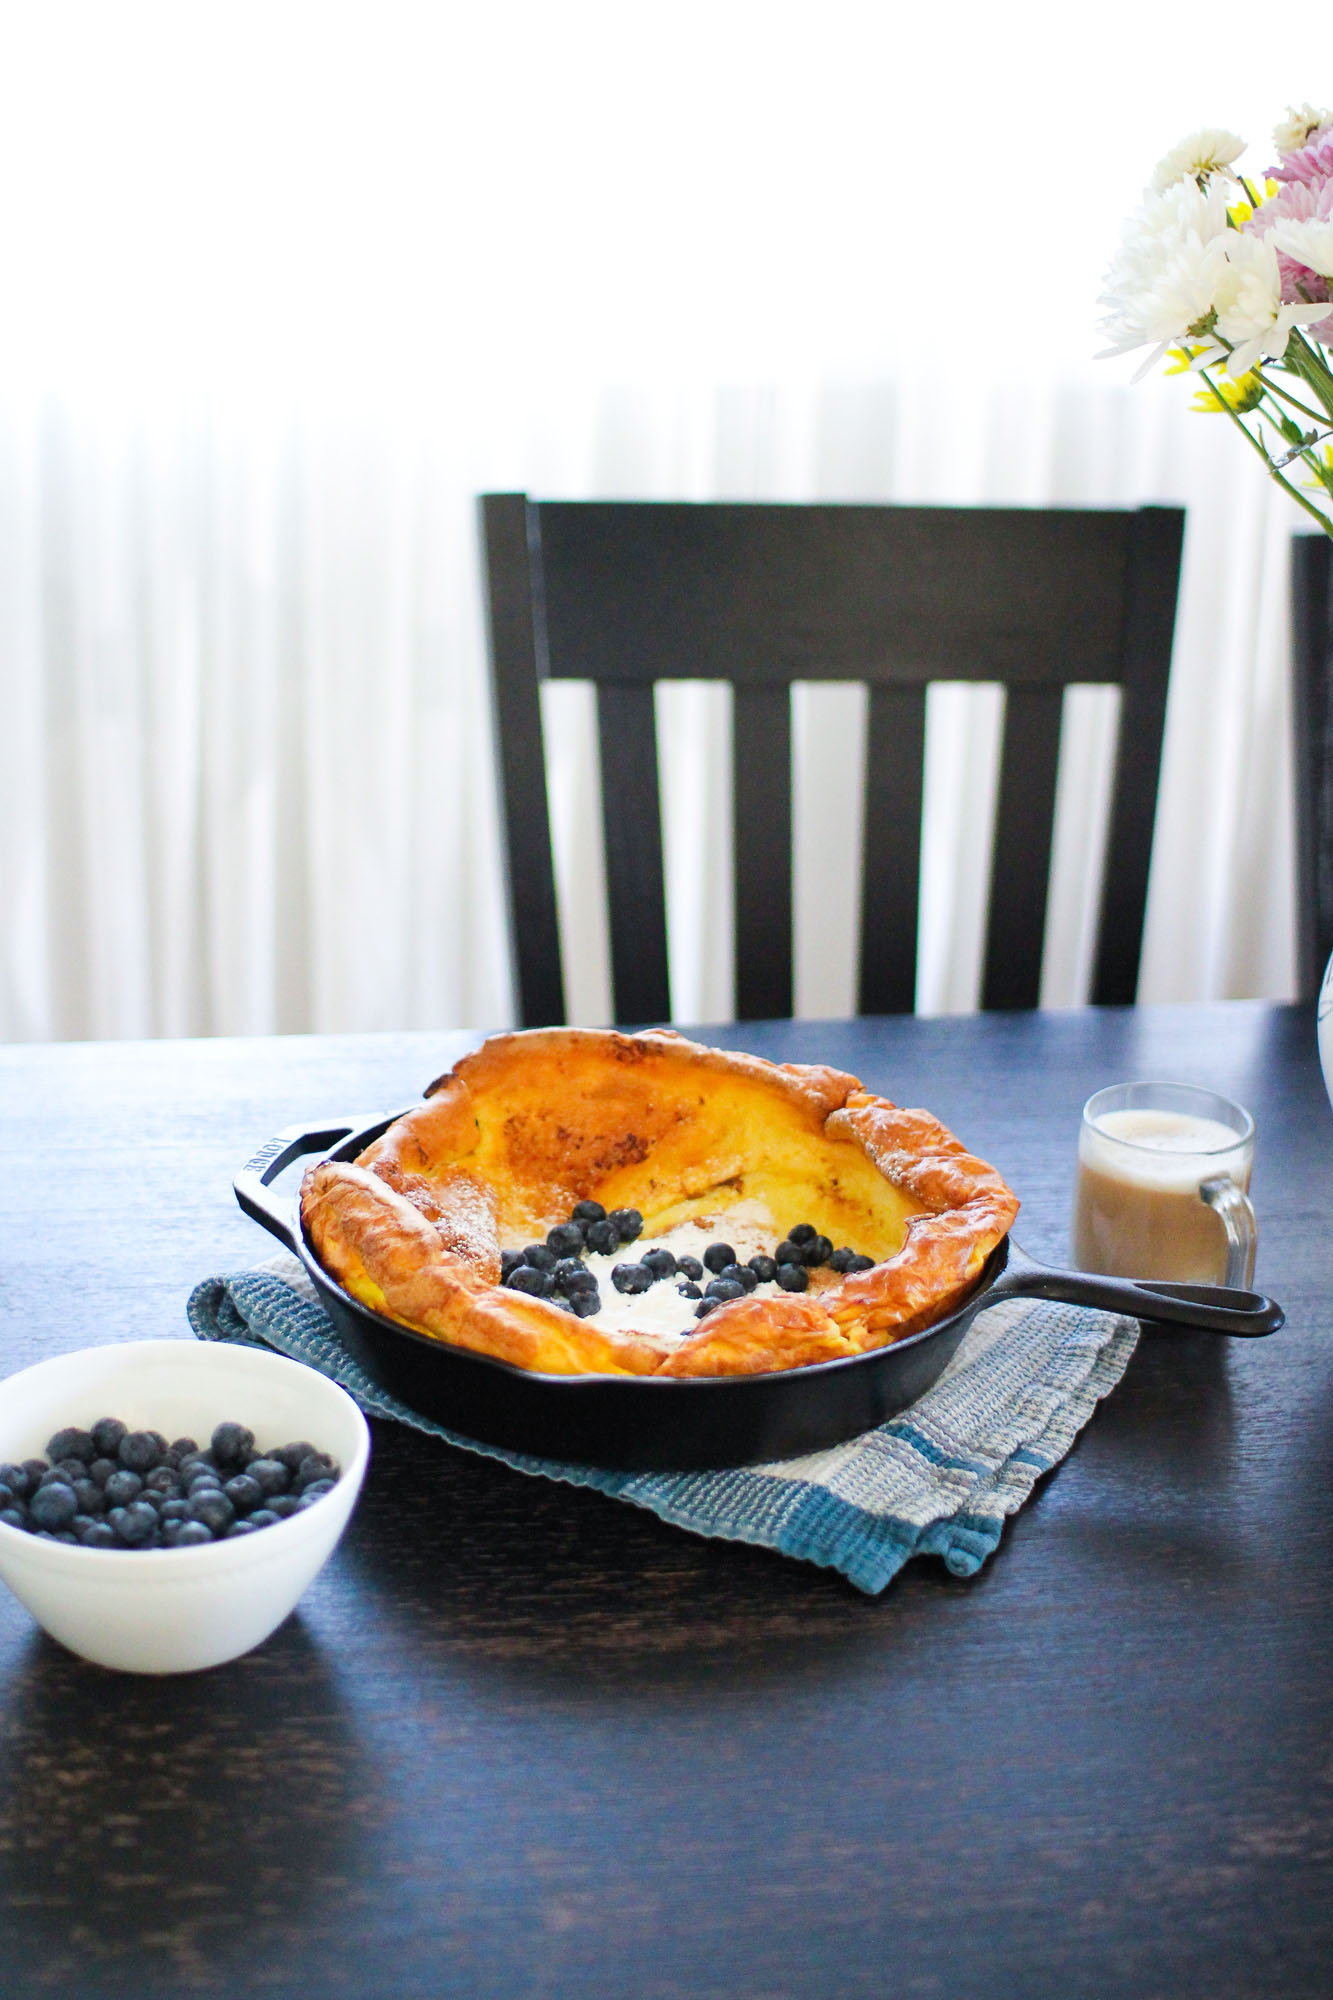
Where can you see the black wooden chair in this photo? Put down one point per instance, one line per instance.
(1312, 717)
(625, 594)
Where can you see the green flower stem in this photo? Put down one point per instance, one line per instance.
(1272, 389)
(1312, 368)
(1325, 523)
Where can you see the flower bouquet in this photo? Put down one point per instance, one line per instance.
(1232, 279)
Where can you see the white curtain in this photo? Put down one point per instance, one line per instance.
(289, 287)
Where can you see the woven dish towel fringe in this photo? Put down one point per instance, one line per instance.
(940, 1479)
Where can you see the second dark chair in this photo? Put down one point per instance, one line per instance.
(625, 594)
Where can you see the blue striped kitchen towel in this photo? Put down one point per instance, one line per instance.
(940, 1479)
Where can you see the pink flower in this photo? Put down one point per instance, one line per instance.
(1312, 163)
(1299, 201)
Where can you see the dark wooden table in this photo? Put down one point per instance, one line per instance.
(520, 1739)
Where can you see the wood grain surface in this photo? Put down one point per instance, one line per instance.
(521, 1739)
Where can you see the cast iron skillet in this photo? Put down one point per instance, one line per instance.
(642, 1423)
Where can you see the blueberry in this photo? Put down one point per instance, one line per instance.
(818, 1252)
(97, 1535)
(34, 1467)
(793, 1277)
(691, 1268)
(841, 1260)
(861, 1263)
(72, 1443)
(283, 1504)
(8, 1496)
(190, 1468)
(232, 1444)
(689, 1290)
(316, 1491)
(803, 1232)
(584, 1304)
(189, 1535)
(90, 1496)
(270, 1475)
(509, 1263)
(134, 1524)
(213, 1509)
(724, 1288)
(705, 1306)
(244, 1492)
(238, 1528)
(205, 1481)
(739, 1274)
(660, 1262)
(631, 1278)
(163, 1479)
(566, 1239)
(718, 1255)
(788, 1252)
(173, 1510)
(765, 1269)
(571, 1275)
(587, 1211)
(540, 1256)
(101, 1469)
(182, 1448)
(70, 1468)
(140, 1451)
(627, 1223)
(17, 1480)
(603, 1237)
(107, 1433)
(317, 1466)
(122, 1487)
(291, 1455)
(527, 1278)
(13, 1517)
(263, 1517)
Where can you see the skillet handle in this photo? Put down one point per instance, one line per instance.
(1206, 1308)
(251, 1184)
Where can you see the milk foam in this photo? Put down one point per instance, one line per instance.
(1171, 1150)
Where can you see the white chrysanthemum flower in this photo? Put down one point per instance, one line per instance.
(1197, 158)
(1309, 243)
(1162, 280)
(1291, 132)
(1250, 312)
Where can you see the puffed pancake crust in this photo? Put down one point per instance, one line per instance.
(531, 1123)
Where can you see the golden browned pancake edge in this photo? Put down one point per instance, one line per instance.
(532, 1122)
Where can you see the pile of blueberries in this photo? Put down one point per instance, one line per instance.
(554, 1270)
(114, 1488)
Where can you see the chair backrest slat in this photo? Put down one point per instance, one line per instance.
(891, 849)
(516, 669)
(632, 837)
(1312, 720)
(762, 830)
(1154, 539)
(626, 594)
(1021, 851)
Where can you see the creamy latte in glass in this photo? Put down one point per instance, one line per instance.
(1163, 1185)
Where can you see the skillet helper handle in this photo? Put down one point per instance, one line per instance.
(1206, 1308)
(251, 1184)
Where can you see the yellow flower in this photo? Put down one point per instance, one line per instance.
(1181, 357)
(1244, 394)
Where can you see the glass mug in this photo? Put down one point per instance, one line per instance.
(1162, 1189)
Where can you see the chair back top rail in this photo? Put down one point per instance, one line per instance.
(626, 594)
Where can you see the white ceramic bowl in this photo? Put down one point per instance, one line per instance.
(167, 1611)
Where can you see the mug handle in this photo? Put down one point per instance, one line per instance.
(1237, 1216)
